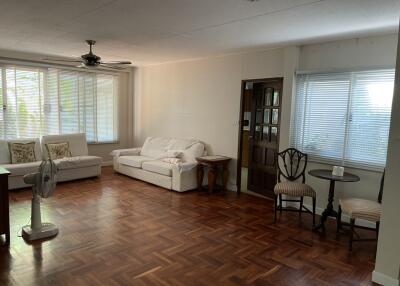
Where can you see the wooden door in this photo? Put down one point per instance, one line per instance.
(264, 136)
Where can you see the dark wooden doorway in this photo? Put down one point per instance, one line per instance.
(259, 133)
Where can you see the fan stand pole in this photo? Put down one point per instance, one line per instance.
(36, 217)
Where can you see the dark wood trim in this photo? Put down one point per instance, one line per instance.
(241, 114)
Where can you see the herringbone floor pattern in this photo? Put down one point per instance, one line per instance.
(119, 231)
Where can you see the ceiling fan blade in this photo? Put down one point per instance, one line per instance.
(111, 67)
(63, 60)
(117, 62)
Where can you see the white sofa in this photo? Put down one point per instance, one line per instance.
(79, 166)
(145, 164)
(17, 171)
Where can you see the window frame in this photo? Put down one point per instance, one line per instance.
(343, 160)
(44, 68)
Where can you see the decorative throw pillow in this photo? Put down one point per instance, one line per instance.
(58, 150)
(170, 154)
(174, 161)
(22, 152)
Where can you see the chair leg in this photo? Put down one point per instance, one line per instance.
(314, 202)
(280, 204)
(352, 222)
(339, 220)
(377, 229)
(276, 207)
(301, 207)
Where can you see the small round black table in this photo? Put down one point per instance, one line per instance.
(327, 175)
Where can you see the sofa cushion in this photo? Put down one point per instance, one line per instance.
(154, 147)
(190, 154)
(77, 162)
(158, 167)
(133, 161)
(5, 153)
(23, 168)
(77, 143)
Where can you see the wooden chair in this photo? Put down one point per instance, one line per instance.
(361, 209)
(292, 165)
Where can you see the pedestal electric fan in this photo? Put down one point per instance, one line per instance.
(43, 186)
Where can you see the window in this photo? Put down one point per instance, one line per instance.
(344, 118)
(38, 101)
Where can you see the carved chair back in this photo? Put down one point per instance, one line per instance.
(292, 165)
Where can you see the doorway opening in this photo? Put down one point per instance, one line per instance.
(259, 122)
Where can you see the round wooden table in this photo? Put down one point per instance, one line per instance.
(327, 175)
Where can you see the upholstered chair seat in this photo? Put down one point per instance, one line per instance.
(357, 208)
(361, 209)
(294, 189)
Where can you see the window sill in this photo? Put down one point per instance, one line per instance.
(104, 143)
(333, 163)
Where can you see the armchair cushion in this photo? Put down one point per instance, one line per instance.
(126, 152)
(23, 168)
(77, 162)
(158, 167)
(134, 161)
(294, 189)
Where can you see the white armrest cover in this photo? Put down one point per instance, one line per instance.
(123, 152)
(126, 152)
(184, 176)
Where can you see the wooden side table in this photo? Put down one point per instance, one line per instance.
(212, 162)
(4, 205)
(327, 175)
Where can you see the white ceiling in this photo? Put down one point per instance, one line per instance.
(155, 31)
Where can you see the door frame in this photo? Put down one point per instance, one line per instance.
(240, 137)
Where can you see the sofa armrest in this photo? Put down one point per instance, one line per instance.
(126, 152)
(184, 177)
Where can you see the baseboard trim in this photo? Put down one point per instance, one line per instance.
(106, 163)
(383, 279)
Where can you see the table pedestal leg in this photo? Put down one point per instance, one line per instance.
(329, 211)
(200, 174)
(225, 175)
(212, 176)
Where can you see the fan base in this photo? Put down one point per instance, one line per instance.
(47, 230)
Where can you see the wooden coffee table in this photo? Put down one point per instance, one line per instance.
(212, 162)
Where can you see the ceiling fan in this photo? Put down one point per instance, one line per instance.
(90, 60)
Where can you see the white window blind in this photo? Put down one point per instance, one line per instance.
(344, 118)
(55, 101)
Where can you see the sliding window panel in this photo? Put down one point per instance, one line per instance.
(2, 101)
(69, 102)
(87, 106)
(106, 90)
(51, 122)
(321, 112)
(369, 119)
(23, 113)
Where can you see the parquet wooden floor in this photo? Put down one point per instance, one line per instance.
(119, 231)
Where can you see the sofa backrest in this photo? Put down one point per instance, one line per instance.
(5, 152)
(154, 147)
(77, 143)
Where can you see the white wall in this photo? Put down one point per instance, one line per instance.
(202, 98)
(387, 268)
